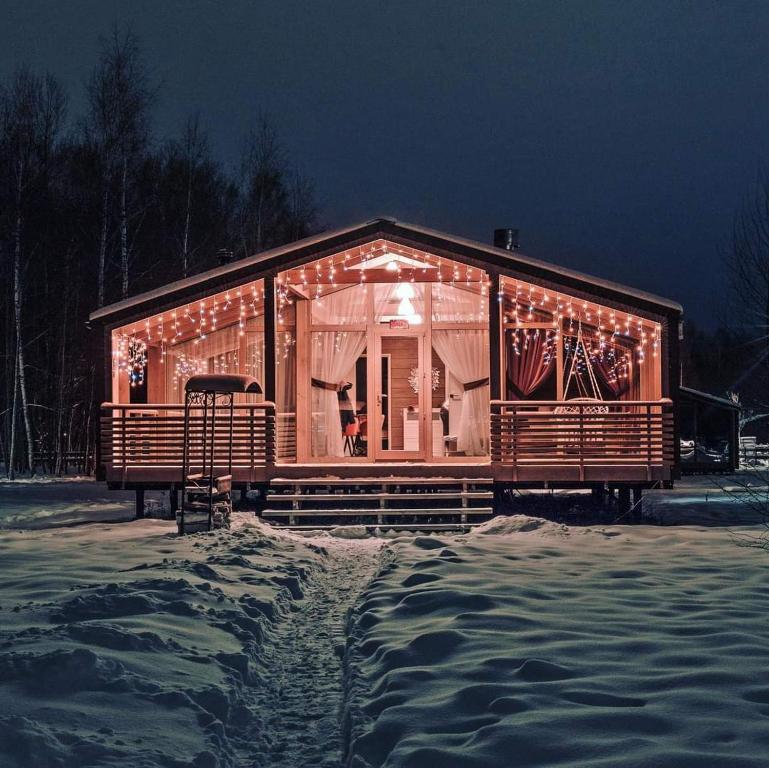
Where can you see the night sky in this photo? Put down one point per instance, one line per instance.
(620, 137)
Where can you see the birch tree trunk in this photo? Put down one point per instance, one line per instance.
(103, 246)
(10, 469)
(17, 303)
(124, 227)
(60, 448)
(187, 219)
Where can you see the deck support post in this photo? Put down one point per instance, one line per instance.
(139, 503)
(598, 492)
(624, 499)
(637, 503)
(173, 500)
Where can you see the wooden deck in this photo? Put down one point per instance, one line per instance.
(532, 443)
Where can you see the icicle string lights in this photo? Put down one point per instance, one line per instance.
(525, 304)
(130, 357)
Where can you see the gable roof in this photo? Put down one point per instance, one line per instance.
(316, 246)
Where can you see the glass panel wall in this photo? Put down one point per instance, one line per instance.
(336, 382)
(560, 347)
(463, 415)
(459, 303)
(285, 380)
(400, 302)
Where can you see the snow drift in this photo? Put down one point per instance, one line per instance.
(540, 645)
(125, 645)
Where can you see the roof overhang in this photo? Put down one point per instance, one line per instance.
(317, 246)
(706, 397)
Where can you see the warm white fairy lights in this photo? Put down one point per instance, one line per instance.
(615, 338)
(129, 356)
(610, 332)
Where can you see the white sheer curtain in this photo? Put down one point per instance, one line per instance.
(342, 307)
(453, 304)
(387, 298)
(466, 354)
(333, 356)
(216, 353)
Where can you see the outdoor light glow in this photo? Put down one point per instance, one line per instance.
(392, 266)
(404, 291)
(406, 308)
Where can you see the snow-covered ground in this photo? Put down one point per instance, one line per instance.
(721, 500)
(35, 503)
(533, 644)
(523, 643)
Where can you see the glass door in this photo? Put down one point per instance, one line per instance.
(398, 413)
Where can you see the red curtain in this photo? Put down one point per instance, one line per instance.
(529, 367)
(615, 384)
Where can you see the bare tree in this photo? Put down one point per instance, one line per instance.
(99, 211)
(194, 148)
(119, 100)
(303, 208)
(749, 261)
(263, 192)
(32, 115)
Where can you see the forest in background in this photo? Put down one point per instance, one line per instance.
(95, 207)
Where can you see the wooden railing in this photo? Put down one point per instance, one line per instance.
(152, 437)
(754, 455)
(582, 434)
(286, 435)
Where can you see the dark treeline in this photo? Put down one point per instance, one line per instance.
(94, 207)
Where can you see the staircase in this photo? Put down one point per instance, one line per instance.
(391, 502)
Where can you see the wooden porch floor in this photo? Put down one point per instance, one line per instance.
(545, 474)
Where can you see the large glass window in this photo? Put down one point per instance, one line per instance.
(464, 412)
(560, 347)
(285, 381)
(335, 378)
(223, 333)
(399, 302)
(459, 303)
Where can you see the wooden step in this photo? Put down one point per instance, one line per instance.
(418, 512)
(321, 481)
(460, 527)
(375, 496)
(370, 497)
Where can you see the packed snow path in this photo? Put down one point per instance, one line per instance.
(303, 696)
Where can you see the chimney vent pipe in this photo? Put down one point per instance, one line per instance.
(506, 238)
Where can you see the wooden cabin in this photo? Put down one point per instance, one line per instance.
(394, 354)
